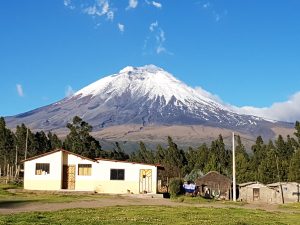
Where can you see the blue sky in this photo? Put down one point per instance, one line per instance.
(246, 52)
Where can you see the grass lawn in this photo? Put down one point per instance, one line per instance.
(153, 215)
(201, 200)
(7, 198)
(291, 206)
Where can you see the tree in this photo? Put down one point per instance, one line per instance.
(79, 139)
(221, 155)
(55, 142)
(267, 170)
(117, 153)
(297, 132)
(294, 169)
(243, 171)
(259, 154)
(174, 160)
(143, 155)
(41, 142)
(7, 144)
(22, 138)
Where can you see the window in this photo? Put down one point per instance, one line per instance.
(42, 168)
(117, 174)
(85, 169)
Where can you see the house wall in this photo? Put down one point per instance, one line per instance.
(51, 181)
(98, 181)
(266, 195)
(82, 183)
(290, 192)
(271, 194)
(131, 183)
(217, 183)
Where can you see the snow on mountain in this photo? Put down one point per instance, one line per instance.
(150, 81)
(145, 96)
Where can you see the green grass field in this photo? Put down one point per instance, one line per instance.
(153, 215)
(27, 197)
(140, 214)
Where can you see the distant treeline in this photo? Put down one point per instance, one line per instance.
(267, 162)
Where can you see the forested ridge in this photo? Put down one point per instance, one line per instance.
(267, 162)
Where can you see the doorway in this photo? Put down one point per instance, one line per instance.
(69, 177)
(145, 181)
(256, 194)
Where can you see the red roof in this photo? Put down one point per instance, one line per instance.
(114, 160)
(58, 150)
(83, 157)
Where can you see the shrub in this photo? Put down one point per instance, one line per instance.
(175, 187)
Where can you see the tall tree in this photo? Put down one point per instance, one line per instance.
(55, 142)
(22, 137)
(143, 155)
(294, 169)
(79, 139)
(267, 170)
(7, 144)
(243, 171)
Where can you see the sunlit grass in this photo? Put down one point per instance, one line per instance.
(153, 215)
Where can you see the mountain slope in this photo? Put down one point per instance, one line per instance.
(143, 96)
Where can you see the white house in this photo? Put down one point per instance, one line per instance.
(61, 169)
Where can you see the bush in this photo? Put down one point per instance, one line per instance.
(175, 187)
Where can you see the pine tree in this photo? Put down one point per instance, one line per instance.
(55, 142)
(267, 170)
(294, 169)
(7, 144)
(243, 171)
(22, 138)
(79, 139)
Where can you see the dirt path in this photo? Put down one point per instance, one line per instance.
(123, 201)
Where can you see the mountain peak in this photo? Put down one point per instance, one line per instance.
(147, 68)
(148, 82)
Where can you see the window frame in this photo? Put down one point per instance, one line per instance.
(118, 175)
(43, 167)
(87, 166)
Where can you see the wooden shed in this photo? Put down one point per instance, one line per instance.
(214, 185)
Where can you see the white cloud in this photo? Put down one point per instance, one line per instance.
(132, 4)
(100, 8)
(153, 26)
(288, 111)
(69, 91)
(156, 40)
(68, 3)
(156, 4)
(121, 27)
(153, 3)
(20, 90)
(282, 111)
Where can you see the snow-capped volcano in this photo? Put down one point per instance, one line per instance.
(150, 81)
(141, 96)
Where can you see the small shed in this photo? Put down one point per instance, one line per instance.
(255, 192)
(288, 192)
(276, 193)
(214, 184)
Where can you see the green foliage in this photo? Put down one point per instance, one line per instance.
(143, 155)
(267, 163)
(175, 187)
(80, 141)
(294, 168)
